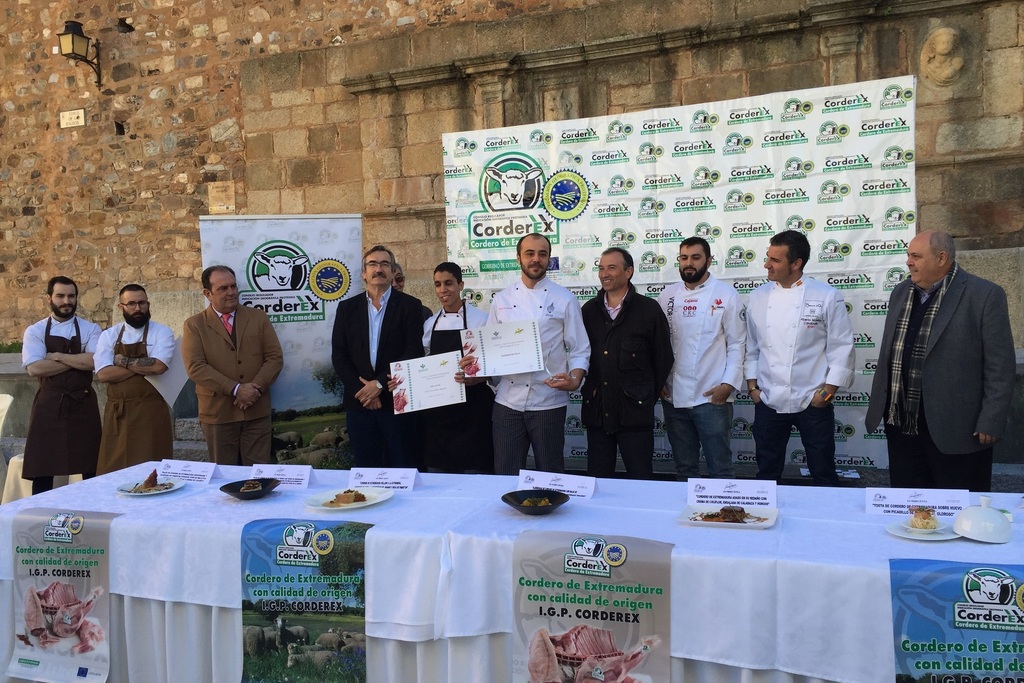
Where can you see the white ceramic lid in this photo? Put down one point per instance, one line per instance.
(983, 523)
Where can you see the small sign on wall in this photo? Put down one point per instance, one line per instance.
(72, 119)
(221, 196)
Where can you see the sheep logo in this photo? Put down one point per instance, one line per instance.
(278, 267)
(987, 586)
(511, 182)
(299, 535)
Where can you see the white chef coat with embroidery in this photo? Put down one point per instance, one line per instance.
(33, 346)
(159, 343)
(708, 339)
(798, 340)
(563, 340)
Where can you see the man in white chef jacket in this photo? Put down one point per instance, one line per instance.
(708, 340)
(530, 408)
(799, 353)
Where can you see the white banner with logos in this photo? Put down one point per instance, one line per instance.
(836, 163)
(297, 269)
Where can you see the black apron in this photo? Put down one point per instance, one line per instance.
(64, 427)
(458, 437)
(136, 420)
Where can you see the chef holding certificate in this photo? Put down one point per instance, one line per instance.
(530, 408)
(457, 437)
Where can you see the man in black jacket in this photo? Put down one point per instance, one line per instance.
(630, 359)
(370, 332)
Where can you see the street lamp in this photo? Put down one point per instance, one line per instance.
(75, 45)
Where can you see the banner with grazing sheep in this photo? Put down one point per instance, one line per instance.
(296, 269)
(303, 601)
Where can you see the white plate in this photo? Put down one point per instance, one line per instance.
(373, 496)
(937, 530)
(126, 489)
(896, 529)
(765, 517)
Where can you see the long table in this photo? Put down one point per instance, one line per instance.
(806, 600)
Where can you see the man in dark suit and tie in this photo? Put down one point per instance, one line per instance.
(232, 354)
(370, 332)
(945, 373)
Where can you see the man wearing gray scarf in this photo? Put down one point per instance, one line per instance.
(946, 368)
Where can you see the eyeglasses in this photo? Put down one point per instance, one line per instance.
(399, 279)
(375, 264)
(135, 304)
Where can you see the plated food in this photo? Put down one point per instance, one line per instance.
(150, 486)
(535, 501)
(250, 489)
(922, 519)
(349, 498)
(944, 533)
(731, 516)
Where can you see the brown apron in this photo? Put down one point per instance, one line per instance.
(136, 420)
(64, 427)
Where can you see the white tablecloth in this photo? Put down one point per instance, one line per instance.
(808, 597)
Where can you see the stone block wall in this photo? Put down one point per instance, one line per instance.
(332, 106)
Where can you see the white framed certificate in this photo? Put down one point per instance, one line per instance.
(503, 349)
(427, 382)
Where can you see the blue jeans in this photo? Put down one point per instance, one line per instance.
(514, 431)
(817, 433)
(706, 426)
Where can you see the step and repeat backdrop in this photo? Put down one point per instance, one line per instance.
(836, 163)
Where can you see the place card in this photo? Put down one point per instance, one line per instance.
(187, 470)
(569, 484)
(742, 492)
(398, 478)
(945, 502)
(292, 477)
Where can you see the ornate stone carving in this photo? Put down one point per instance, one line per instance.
(942, 57)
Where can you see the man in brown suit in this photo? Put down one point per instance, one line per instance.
(232, 354)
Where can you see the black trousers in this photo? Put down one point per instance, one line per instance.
(915, 462)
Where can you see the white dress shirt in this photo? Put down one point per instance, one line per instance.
(563, 340)
(708, 339)
(798, 340)
(452, 321)
(159, 343)
(33, 346)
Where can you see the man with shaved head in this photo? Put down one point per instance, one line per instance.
(945, 374)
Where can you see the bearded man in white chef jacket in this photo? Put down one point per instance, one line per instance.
(799, 353)
(708, 341)
(530, 408)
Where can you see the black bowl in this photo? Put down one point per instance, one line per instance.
(515, 499)
(235, 488)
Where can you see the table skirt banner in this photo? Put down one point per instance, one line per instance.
(590, 607)
(954, 621)
(61, 580)
(303, 601)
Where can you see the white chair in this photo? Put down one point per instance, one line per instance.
(5, 403)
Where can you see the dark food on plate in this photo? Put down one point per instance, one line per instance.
(150, 485)
(251, 485)
(729, 514)
(536, 502)
(346, 497)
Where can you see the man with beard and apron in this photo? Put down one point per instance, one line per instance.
(64, 426)
(136, 420)
(457, 438)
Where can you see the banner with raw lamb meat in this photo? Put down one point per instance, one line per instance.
(303, 601)
(61, 604)
(590, 607)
